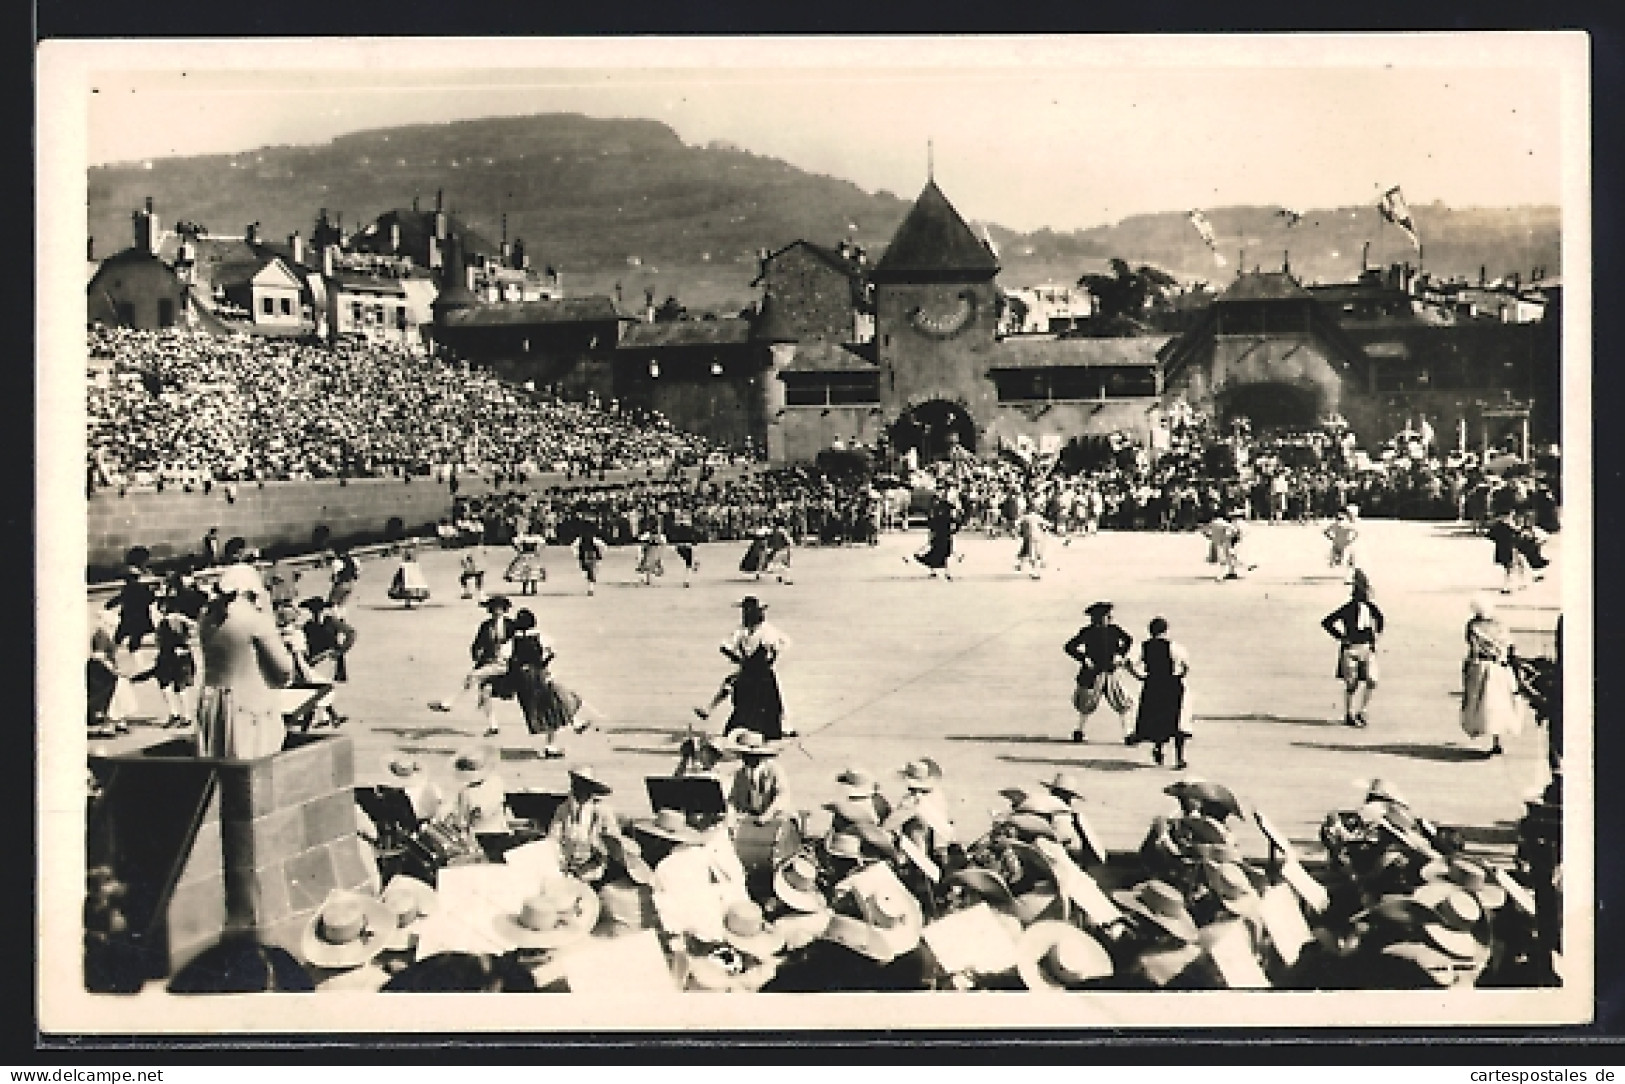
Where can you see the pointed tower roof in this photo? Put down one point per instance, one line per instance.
(935, 243)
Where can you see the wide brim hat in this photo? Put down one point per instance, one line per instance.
(472, 765)
(1235, 890)
(670, 824)
(498, 602)
(348, 930)
(1101, 607)
(1066, 785)
(857, 781)
(1041, 803)
(922, 774)
(1161, 904)
(1457, 919)
(906, 923)
(404, 889)
(985, 885)
(853, 811)
(751, 604)
(569, 902)
(746, 930)
(1054, 955)
(584, 774)
(1032, 826)
(1468, 876)
(315, 604)
(748, 743)
(805, 896)
(1208, 794)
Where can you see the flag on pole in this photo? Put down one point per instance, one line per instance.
(1393, 208)
(1205, 229)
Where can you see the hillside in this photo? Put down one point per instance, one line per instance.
(626, 201)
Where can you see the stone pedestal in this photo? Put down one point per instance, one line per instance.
(211, 845)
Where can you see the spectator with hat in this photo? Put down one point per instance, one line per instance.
(697, 874)
(582, 826)
(745, 959)
(1100, 649)
(798, 909)
(480, 803)
(561, 913)
(1489, 701)
(1052, 956)
(926, 801)
(347, 931)
(760, 789)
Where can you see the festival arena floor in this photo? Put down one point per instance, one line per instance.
(887, 665)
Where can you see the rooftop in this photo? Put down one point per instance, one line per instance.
(570, 310)
(1019, 353)
(933, 239)
(727, 330)
(1264, 286)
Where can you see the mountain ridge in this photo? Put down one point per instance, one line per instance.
(626, 201)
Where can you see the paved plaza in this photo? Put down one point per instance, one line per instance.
(887, 665)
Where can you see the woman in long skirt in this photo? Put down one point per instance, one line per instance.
(526, 567)
(589, 552)
(652, 555)
(408, 584)
(754, 648)
(754, 563)
(1489, 701)
(547, 705)
(941, 523)
(1162, 665)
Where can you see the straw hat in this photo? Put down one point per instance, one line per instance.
(1059, 956)
(796, 883)
(852, 810)
(1470, 877)
(858, 782)
(473, 764)
(747, 931)
(348, 930)
(563, 912)
(1209, 795)
(1458, 918)
(985, 885)
(670, 824)
(1160, 903)
(409, 899)
(1235, 890)
(918, 774)
(748, 743)
(584, 774)
(1041, 803)
(1066, 786)
(895, 923)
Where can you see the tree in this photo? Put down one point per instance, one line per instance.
(670, 311)
(1128, 291)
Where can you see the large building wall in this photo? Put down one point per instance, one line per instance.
(803, 432)
(812, 299)
(919, 365)
(1067, 420)
(141, 283)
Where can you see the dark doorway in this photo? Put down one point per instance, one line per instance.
(934, 428)
(1271, 406)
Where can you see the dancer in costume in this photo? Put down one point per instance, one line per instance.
(1029, 527)
(490, 665)
(526, 567)
(941, 523)
(1100, 649)
(1356, 625)
(1342, 534)
(408, 584)
(652, 555)
(547, 705)
(1162, 666)
(471, 577)
(589, 553)
(754, 647)
(1489, 701)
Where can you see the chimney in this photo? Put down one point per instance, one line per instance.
(439, 200)
(395, 238)
(468, 276)
(90, 249)
(415, 204)
(648, 306)
(251, 233)
(506, 254)
(1483, 275)
(434, 254)
(521, 259)
(327, 259)
(1286, 262)
(146, 229)
(1365, 255)
(149, 205)
(296, 247)
(440, 225)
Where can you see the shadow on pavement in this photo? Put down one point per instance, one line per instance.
(1266, 718)
(1012, 739)
(418, 733)
(1448, 754)
(1095, 764)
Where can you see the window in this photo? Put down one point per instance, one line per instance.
(355, 313)
(400, 317)
(1073, 382)
(287, 306)
(831, 389)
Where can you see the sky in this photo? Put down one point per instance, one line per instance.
(1064, 133)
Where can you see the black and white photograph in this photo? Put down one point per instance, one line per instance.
(1082, 521)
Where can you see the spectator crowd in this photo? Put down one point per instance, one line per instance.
(186, 408)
